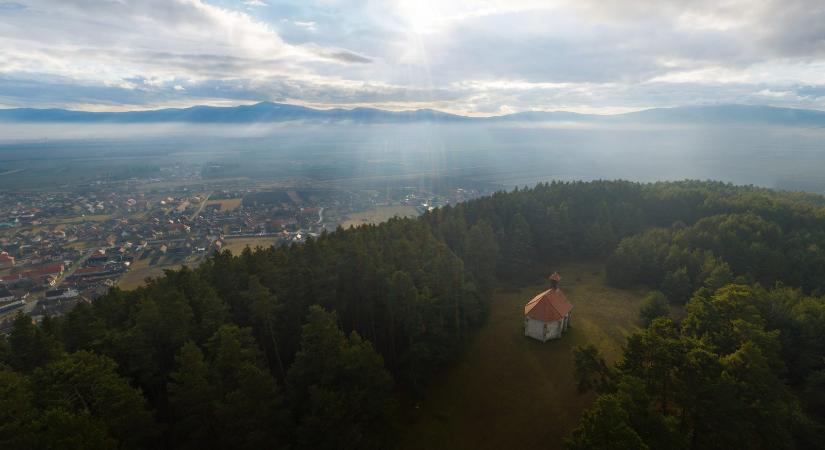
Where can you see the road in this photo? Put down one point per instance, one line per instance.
(200, 208)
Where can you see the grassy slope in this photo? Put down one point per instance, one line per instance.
(508, 391)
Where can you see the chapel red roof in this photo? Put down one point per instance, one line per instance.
(548, 306)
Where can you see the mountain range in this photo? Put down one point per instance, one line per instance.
(281, 112)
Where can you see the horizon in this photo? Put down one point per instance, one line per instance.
(354, 108)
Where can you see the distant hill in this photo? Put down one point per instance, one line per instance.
(282, 112)
(711, 114)
(730, 114)
(259, 112)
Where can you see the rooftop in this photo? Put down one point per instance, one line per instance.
(548, 306)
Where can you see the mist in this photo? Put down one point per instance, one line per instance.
(504, 155)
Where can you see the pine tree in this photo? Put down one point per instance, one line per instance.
(192, 400)
(83, 382)
(339, 387)
(655, 305)
(30, 346)
(18, 414)
(481, 254)
(605, 426)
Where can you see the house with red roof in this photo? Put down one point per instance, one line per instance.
(177, 228)
(46, 275)
(547, 315)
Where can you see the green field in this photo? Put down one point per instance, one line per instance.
(508, 391)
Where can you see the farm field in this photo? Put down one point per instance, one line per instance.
(379, 214)
(509, 391)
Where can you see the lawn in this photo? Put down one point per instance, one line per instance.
(379, 214)
(509, 391)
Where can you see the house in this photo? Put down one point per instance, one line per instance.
(61, 294)
(15, 279)
(177, 228)
(50, 269)
(12, 306)
(95, 272)
(6, 295)
(6, 260)
(98, 258)
(547, 315)
(43, 273)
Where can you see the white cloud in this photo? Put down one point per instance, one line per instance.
(473, 56)
(308, 25)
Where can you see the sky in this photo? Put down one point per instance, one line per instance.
(475, 57)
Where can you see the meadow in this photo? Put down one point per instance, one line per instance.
(227, 204)
(509, 391)
(140, 270)
(379, 214)
(236, 245)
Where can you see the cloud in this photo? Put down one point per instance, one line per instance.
(308, 25)
(164, 38)
(11, 6)
(345, 56)
(472, 56)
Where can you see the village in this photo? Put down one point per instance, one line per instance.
(61, 248)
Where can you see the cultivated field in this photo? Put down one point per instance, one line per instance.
(379, 214)
(509, 391)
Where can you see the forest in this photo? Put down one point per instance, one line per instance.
(315, 345)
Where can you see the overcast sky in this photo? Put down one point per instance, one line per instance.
(465, 56)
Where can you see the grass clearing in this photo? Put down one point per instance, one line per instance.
(379, 214)
(78, 245)
(227, 204)
(81, 219)
(139, 271)
(237, 245)
(509, 391)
